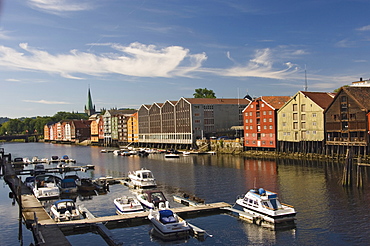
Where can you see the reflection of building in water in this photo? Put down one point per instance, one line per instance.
(261, 173)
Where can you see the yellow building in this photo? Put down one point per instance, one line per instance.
(302, 117)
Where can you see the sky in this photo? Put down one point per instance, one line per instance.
(136, 52)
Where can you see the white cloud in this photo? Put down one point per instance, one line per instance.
(45, 102)
(364, 28)
(259, 66)
(60, 6)
(136, 59)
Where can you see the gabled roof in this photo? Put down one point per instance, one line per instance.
(275, 102)
(217, 100)
(360, 94)
(323, 99)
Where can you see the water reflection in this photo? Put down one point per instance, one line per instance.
(328, 213)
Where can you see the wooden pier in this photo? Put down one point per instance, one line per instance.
(48, 232)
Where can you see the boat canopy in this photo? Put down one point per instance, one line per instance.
(62, 201)
(65, 157)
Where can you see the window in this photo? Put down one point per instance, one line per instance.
(295, 116)
(270, 112)
(250, 113)
(246, 127)
(295, 125)
(313, 114)
(264, 112)
(343, 99)
(250, 120)
(270, 120)
(265, 127)
(304, 125)
(303, 107)
(284, 123)
(295, 107)
(283, 115)
(270, 127)
(303, 117)
(252, 106)
(263, 105)
(264, 120)
(246, 121)
(251, 127)
(314, 123)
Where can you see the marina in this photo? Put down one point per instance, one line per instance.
(198, 180)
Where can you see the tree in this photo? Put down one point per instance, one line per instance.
(204, 93)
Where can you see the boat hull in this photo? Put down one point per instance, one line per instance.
(265, 217)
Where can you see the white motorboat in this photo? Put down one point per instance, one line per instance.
(266, 206)
(126, 204)
(168, 224)
(46, 186)
(142, 178)
(64, 210)
(151, 199)
(65, 158)
(172, 155)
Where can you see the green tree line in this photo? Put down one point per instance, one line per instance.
(36, 125)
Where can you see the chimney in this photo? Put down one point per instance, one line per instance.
(360, 79)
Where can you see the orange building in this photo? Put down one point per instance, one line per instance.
(260, 123)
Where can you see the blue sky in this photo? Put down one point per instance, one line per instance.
(140, 51)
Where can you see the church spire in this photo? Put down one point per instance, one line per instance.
(89, 107)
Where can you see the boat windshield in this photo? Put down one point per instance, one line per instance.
(274, 203)
(157, 197)
(147, 175)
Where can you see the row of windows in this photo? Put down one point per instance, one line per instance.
(264, 127)
(304, 132)
(263, 142)
(303, 124)
(295, 116)
(258, 120)
(262, 134)
(258, 113)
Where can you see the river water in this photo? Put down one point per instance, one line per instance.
(328, 213)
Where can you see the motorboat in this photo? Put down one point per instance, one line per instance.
(186, 153)
(142, 178)
(86, 184)
(127, 204)
(29, 182)
(65, 158)
(151, 199)
(171, 155)
(39, 169)
(68, 185)
(266, 207)
(46, 186)
(54, 159)
(64, 210)
(168, 224)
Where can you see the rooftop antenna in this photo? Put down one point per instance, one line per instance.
(305, 79)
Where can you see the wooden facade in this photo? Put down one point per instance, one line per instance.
(260, 121)
(346, 119)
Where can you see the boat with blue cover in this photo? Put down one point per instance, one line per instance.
(64, 210)
(266, 207)
(168, 224)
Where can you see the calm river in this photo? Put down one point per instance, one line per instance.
(328, 213)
